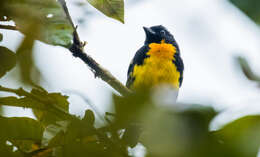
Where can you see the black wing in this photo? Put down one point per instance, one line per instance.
(180, 66)
(138, 59)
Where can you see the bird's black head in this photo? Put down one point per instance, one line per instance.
(156, 34)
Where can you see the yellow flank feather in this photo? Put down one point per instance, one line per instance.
(157, 69)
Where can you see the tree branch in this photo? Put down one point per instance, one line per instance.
(8, 27)
(77, 49)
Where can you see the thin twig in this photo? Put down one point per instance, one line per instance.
(75, 33)
(77, 50)
(9, 27)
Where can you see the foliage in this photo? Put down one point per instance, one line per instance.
(44, 20)
(7, 60)
(179, 131)
(250, 8)
(162, 131)
(111, 8)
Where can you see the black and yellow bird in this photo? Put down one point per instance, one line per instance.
(157, 62)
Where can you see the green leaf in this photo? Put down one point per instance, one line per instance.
(242, 134)
(50, 135)
(7, 60)
(57, 140)
(82, 138)
(60, 101)
(250, 7)
(129, 109)
(89, 117)
(48, 107)
(26, 62)
(49, 21)
(20, 128)
(24, 145)
(7, 150)
(111, 8)
(21, 102)
(55, 99)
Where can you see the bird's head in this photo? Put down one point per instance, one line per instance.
(156, 34)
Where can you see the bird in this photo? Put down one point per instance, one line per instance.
(157, 62)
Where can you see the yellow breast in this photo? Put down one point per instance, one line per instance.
(158, 68)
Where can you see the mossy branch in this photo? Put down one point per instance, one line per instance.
(77, 49)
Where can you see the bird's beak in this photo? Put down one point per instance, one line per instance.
(148, 31)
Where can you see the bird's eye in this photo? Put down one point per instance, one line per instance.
(162, 32)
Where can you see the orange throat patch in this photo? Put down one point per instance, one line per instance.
(157, 69)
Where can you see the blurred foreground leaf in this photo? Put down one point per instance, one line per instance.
(47, 17)
(242, 136)
(21, 102)
(176, 131)
(129, 109)
(52, 106)
(89, 117)
(171, 133)
(250, 7)
(129, 115)
(56, 99)
(111, 8)
(26, 62)
(7, 60)
(7, 150)
(81, 138)
(57, 140)
(20, 128)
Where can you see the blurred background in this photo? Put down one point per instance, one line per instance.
(210, 33)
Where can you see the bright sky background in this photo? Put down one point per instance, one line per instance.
(209, 32)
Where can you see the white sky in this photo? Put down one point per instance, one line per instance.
(209, 32)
